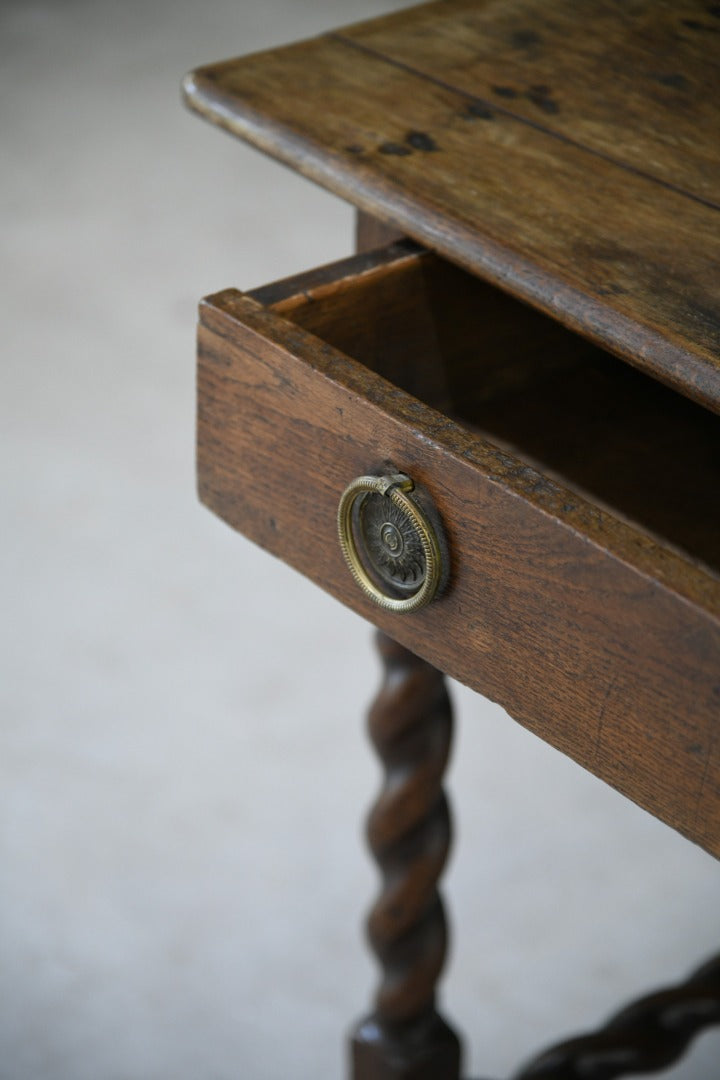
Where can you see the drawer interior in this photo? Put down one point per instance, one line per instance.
(519, 379)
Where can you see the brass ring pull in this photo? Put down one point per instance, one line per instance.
(391, 544)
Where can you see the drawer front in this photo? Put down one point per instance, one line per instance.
(602, 640)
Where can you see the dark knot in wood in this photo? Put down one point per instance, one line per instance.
(646, 1036)
(409, 832)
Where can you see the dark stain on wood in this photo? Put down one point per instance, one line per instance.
(504, 91)
(354, 149)
(541, 97)
(393, 148)
(695, 24)
(525, 39)
(611, 160)
(420, 140)
(675, 81)
(474, 110)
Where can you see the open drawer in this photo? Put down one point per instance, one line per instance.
(578, 497)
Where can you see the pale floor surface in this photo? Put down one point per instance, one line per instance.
(182, 762)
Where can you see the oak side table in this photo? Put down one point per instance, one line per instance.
(507, 407)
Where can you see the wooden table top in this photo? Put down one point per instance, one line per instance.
(573, 162)
(572, 159)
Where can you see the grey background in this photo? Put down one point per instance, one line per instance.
(183, 768)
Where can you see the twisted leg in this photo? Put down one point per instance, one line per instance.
(409, 834)
(647, 1036)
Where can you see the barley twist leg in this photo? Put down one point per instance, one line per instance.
(409, 834)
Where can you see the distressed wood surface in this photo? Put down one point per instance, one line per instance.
(635, 82)
(573, 161)
(600, 638)
(522, 381)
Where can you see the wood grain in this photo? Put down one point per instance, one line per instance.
(371, 233)
(591, 633)
(522, 381)
(636, 82)
(409, 832)
(584, 212)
